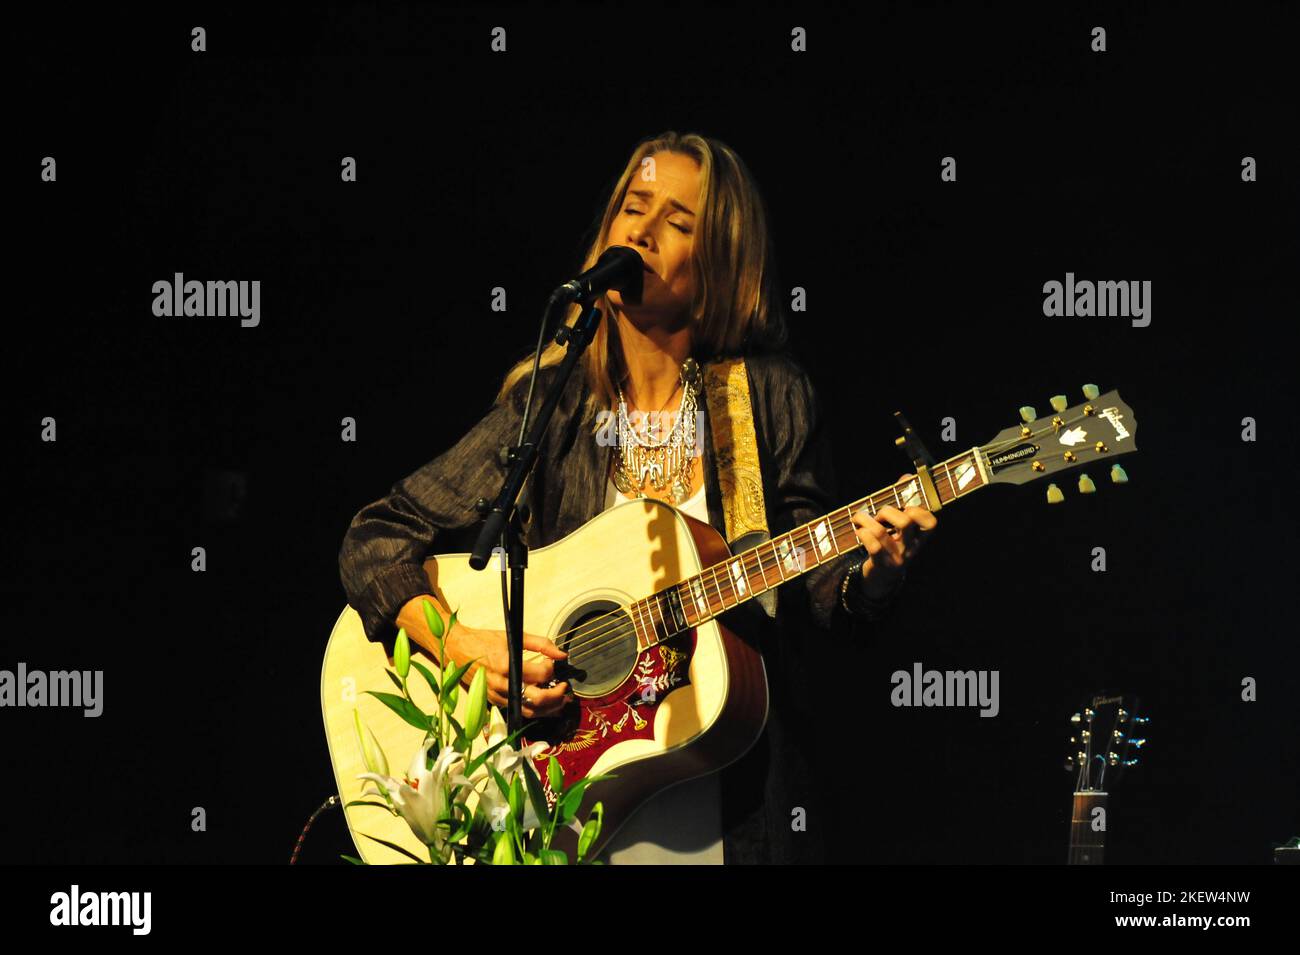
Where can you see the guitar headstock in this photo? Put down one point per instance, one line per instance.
(1099, 428)
(1107, 736)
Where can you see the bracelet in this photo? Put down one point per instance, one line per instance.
(869, 608)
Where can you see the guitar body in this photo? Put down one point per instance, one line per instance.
(666, 693)
(653, 717)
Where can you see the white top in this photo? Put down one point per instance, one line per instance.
(695, 505)
(683, 824)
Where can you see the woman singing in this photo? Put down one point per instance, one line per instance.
(689, 206)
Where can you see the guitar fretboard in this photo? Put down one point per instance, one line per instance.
(1087, 845)
(730, 583)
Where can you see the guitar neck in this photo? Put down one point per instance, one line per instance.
(1087, 844)
(730, 583)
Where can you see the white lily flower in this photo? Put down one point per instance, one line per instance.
(422, 796)
(508, 762)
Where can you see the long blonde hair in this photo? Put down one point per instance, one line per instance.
(735, 310)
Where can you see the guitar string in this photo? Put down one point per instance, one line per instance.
(623, 616)
(618, 619)
(610, 633)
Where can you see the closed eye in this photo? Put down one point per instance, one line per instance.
(681, 229)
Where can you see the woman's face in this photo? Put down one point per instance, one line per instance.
(658, 220)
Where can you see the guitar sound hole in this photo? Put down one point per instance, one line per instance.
(600, 640)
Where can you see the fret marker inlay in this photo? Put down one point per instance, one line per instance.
(791, 557)
(738, 576)
(697, 591)
(823, 541)
(912, 494)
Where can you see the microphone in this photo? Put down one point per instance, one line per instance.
(619, 267)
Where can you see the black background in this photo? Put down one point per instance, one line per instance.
(478, 170)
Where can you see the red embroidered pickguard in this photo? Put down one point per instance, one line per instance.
(591, 726)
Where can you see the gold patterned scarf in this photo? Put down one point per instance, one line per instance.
(731, 418)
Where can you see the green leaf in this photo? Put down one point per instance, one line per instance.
(353, 859)
(451, 678)
(396, 682)
(433, 619)
(536, 795)
(510, 740)
(556, 774)
(402, 654)
(588, 780)
(362, 802)
(466, 823)
(517, 799)
(553, 857)
(429, 678)
(501, 782)
(404, 708)
(591, 830)
(460, 730)
(571, 801)
(393, 846)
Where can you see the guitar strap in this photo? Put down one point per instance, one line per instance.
(731, 418)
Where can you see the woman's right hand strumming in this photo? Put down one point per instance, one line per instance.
(489, 648)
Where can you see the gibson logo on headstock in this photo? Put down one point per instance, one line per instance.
(1112, 415)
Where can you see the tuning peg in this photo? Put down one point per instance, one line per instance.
(1027, 413)
(1076, 718)
(1139, 743)
(1130, 762)
(1085, 485)
(1091, 391)
(1141, 719)
(1123, 714)
(1059, 403)
(1054, 495)
(1117, 474)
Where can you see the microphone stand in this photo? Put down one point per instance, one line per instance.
(502, 530)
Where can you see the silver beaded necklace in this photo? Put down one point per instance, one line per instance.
(660, 459)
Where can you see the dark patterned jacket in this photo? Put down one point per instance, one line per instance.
(432, 511)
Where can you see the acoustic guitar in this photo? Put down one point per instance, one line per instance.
(664, 691)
